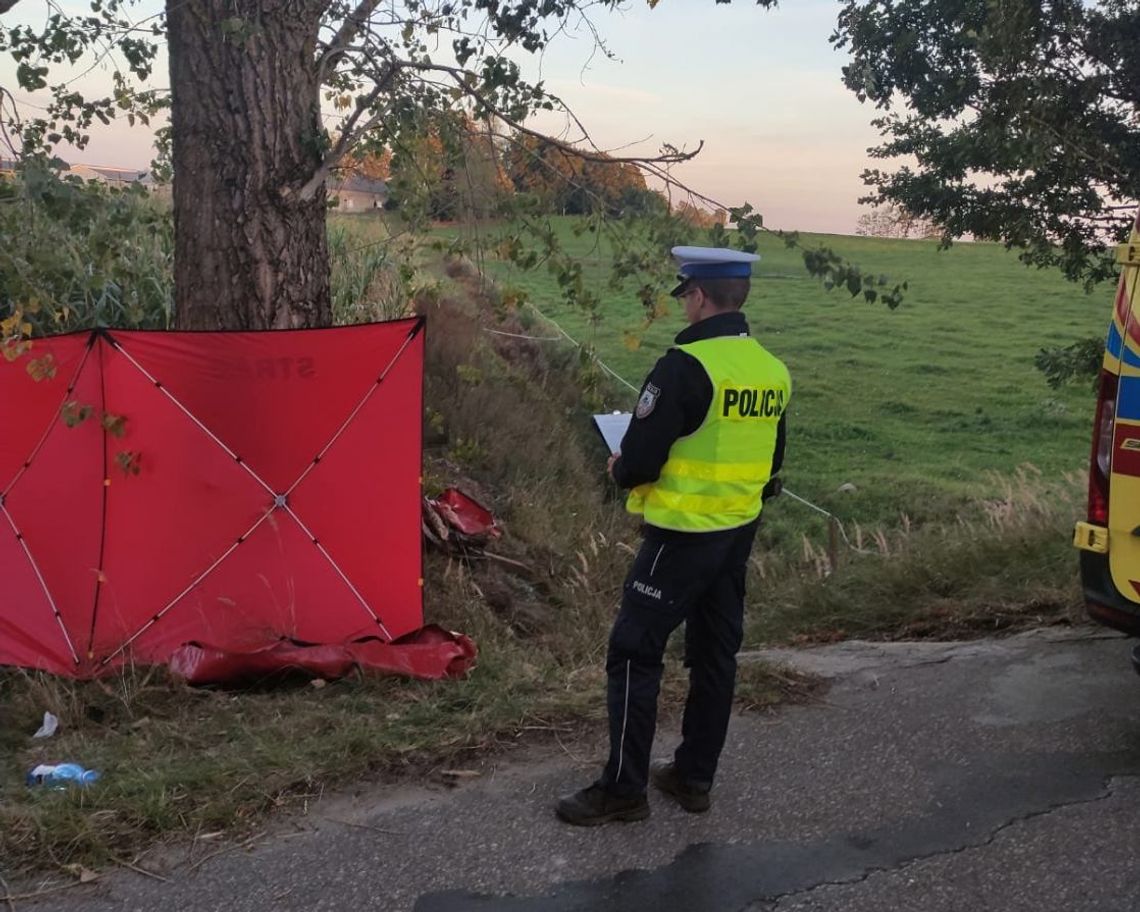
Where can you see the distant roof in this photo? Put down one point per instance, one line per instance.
(109, 172)
(119, 174)
(355, 183)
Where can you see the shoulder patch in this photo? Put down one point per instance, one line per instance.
(648, 401)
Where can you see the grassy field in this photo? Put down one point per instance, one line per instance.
(918, 408)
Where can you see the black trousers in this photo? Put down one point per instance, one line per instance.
(698, 579)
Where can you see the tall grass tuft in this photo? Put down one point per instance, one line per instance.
(370, 272)
(1000, 563)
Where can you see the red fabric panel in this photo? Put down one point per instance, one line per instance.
(30, 635)
(380, 450)
(55, 503)
(430, 652)
(29, 407)
(276, 584)
(274, 398)
(149, 558)
(167, 524)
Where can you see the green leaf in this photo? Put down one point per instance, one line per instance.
(31, 78)
(115, 425)
(74, 413)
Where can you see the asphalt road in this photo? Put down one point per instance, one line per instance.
(999, 775)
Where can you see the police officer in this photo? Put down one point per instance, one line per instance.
(701, 451)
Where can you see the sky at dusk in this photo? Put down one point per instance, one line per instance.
(761, 88)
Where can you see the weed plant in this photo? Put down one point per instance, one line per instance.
(79, 254)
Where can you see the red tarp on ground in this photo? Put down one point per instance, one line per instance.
(233, 489)
(429, 652)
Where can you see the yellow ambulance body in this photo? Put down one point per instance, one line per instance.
(1110, 537)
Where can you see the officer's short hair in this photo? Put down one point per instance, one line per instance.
(726, 294)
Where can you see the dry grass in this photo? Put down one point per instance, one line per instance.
(1001, 565)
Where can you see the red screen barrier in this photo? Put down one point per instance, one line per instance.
(236, 489)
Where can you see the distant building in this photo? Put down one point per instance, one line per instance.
(103, 174)
(121, 178)
(117, 178)
(354, 193)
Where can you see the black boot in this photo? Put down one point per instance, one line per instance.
(594, 805)
(693, 797)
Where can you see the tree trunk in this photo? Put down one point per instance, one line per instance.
(246, 128)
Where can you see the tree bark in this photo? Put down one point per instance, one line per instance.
(246, 129)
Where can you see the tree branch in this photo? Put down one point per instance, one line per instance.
(353, 24)
(350, 134)
(6, 96)
(348, 138)
(458, 75)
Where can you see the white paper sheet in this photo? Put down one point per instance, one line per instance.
(612, 427)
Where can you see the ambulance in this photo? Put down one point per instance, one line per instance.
(1109, 539)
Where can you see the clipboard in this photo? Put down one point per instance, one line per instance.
(612, 427)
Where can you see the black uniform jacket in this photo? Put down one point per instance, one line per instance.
(682, 402)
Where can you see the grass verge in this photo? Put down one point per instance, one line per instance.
(1004, 564)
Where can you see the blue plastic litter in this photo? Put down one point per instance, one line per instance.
(61, 775)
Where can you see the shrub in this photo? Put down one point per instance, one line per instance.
(79, 254)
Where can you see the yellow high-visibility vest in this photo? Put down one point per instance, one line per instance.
(713, 478)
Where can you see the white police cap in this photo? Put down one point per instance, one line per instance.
(711, 263)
